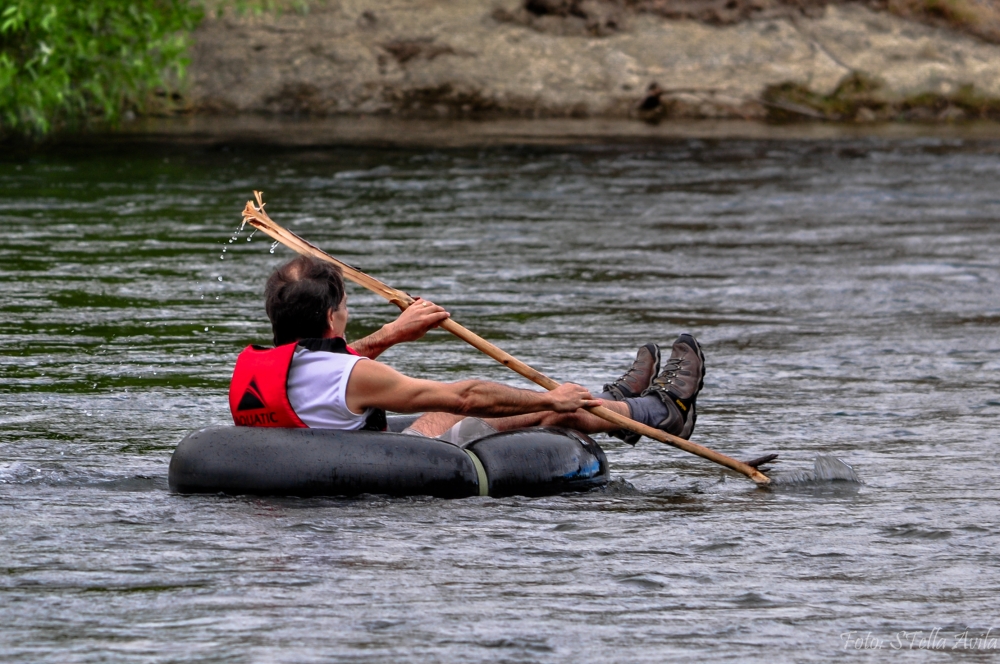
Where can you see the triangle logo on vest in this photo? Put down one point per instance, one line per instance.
(252, 399)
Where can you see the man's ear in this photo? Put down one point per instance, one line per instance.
(329, 318)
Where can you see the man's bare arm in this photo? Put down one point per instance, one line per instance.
(375, 385)
(411, 325)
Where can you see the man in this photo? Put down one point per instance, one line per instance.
(312, 378)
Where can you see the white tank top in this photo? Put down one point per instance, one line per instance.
(317, 389)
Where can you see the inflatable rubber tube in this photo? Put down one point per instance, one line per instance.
(325, 462)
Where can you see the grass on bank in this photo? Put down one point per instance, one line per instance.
(861, 98)
(64, 63)
(68, 64)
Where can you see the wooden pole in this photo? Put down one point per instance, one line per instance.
(256, 217)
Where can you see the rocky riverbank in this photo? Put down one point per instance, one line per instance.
(466, 58)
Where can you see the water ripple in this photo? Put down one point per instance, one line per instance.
(844, 291)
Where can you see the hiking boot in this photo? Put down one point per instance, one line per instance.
(634, 382)
(678, 386)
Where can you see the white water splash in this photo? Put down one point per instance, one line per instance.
(825, 469)
(17, 473)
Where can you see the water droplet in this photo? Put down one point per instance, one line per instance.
(206, 329)
(273, 247)
(220, 278)
(222, 258)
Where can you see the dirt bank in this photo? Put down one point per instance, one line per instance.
(583, 58)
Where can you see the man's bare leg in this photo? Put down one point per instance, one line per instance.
(581, 420)
(433, 425)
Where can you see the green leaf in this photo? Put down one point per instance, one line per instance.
(67, 64)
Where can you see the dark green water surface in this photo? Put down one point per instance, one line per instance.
(847, 294)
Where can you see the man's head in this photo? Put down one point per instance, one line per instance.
(299, 296)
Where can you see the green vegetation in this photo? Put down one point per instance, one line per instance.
(67, 63)
(256, 7)
(861, 98)
(792, 101)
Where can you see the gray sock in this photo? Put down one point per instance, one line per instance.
(649, 410)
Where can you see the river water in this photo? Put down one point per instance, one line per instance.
(846, 292)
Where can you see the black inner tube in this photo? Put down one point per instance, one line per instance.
(325, 462)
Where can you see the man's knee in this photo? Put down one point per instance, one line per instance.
(433, 425)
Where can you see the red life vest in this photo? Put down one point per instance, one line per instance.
(258, 393)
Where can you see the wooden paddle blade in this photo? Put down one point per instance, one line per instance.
(256, 217)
